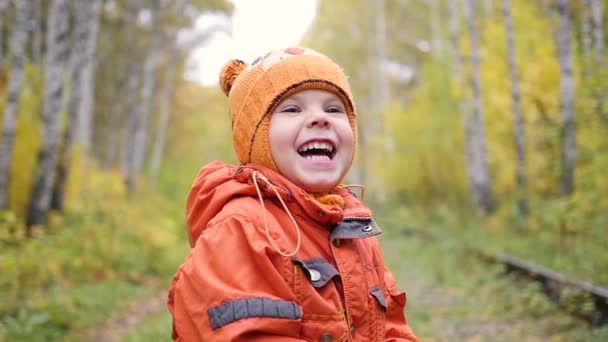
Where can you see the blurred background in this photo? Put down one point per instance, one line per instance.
(483, 129)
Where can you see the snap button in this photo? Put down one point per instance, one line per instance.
(315, 275)
(337, 242)
(327, 337)
(368, 228)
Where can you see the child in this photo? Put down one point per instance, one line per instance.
(280, 251)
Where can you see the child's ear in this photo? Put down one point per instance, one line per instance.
(229, 73)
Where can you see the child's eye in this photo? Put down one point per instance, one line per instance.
(334, 109)
(290, 109)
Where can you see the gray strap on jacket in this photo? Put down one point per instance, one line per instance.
(237, 309)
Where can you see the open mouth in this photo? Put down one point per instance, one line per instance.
(317, 150)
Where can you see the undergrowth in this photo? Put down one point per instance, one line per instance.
(104, 252)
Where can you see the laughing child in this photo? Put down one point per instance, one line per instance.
(280, 250)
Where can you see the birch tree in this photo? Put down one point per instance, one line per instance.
(379, 90)
(599, 63)
(567, 96)
(598, 29)
(86, 103)
(126, 88)
(137, 128)
(586, 36)
(17, 52)
(37, 31)
(55, 59)
(78, 127)
(4, 5)
(519, 133)
(477, 163)
(166, 97)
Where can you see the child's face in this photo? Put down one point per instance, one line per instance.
(311, 139)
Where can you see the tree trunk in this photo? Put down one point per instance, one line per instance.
(598, 29)
(139, 122)
(586, 37)
(37, 39)
(57, 48)
(166, 98)
(17, 50)
(125, 86)
(519, 133)
(87, 80)
(567, 90)
(379, 96)
(477, 159)
(4, 4)
(600, 62)
(80, 102)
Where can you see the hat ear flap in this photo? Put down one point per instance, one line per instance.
(229, 73)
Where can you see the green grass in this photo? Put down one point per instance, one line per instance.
(452, 295)
(65, 314)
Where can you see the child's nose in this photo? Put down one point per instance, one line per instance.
(319, 120)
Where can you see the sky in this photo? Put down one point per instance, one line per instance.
(258, 26)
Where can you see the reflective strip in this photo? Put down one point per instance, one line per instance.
(379, 295)
(355, 228)
(237, 309)
(318, 270)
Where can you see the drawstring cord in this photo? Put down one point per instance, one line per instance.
(348, 186)
(270, 239)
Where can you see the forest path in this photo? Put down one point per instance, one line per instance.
(121, 323)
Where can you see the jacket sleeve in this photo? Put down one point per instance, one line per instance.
(233, 287)
(397, 328)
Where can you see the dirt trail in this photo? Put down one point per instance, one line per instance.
(121, 323)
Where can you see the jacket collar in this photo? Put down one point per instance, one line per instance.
(301, 202)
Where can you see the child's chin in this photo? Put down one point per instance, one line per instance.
(321, 186)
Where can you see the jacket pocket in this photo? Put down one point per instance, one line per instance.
(378, 294)
(319, 299)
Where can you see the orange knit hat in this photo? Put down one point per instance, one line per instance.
(255, 90)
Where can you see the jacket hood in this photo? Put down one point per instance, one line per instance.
(217, 183)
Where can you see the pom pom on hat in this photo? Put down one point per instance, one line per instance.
(229, 73)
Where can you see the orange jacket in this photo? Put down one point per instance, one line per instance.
(235, 285)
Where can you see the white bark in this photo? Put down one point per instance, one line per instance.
(17, 52)
(87, 79)
(139, 121)
(84, 38)
(519, 133)
(131, 111)
(567, 97)
(4, 4)
(56, 53)
(477, 164)
(598, 30)
(166, 102)
(37, 38)
(126, 88)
